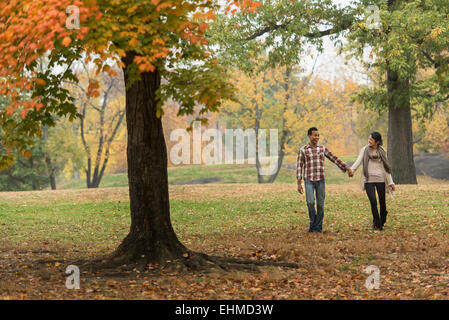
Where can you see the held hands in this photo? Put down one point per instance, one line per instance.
(350, 173)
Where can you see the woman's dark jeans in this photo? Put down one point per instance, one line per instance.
(370, 188)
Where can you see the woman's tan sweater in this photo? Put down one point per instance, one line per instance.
(387, 177)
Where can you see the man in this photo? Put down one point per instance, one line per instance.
(311, 161)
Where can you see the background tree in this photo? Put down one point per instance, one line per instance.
(312, 101)
(412, 38)
(103, 114)
(56, 149)
(39, 167)
(264, 99)
(63, 148)
(28, 172)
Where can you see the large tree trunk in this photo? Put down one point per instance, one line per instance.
(400, 137)
(151, 234)
(151, 238)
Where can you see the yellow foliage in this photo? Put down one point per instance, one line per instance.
(319, 103)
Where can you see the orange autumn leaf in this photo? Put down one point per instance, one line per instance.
(163, 5)
(203, 27)
(23, 114)
(40, 82)
(133, 42)
(9, 111)
(94, 94)
(146, 67)
(194, 39)
(66, 41)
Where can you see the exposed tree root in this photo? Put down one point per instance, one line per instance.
(188, 262)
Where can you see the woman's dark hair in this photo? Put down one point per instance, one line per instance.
(377, 137)
(309, 132)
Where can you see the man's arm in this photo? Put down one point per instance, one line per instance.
(335, 160)
(299, 166)
(299, 169)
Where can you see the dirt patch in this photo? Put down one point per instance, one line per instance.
(66, 195)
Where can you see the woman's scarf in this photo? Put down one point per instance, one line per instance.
(369, 155)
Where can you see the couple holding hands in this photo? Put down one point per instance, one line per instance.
(376, 176)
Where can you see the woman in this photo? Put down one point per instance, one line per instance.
(376, 175)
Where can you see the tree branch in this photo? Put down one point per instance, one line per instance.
(310, 35)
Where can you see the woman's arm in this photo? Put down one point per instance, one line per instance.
(390, 183)
(359, 160)
(389, 178)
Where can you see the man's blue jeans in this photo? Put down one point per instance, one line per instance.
(316, 216)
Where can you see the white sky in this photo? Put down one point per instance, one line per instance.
(329, 64)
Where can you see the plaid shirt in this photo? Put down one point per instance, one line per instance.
(311, 161)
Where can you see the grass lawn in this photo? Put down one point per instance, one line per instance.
(267, 221)
(227, 173)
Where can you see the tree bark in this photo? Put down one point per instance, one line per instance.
(51, 172)
(151, 236)
(400, 136)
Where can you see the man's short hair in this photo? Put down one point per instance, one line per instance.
(309, 132)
